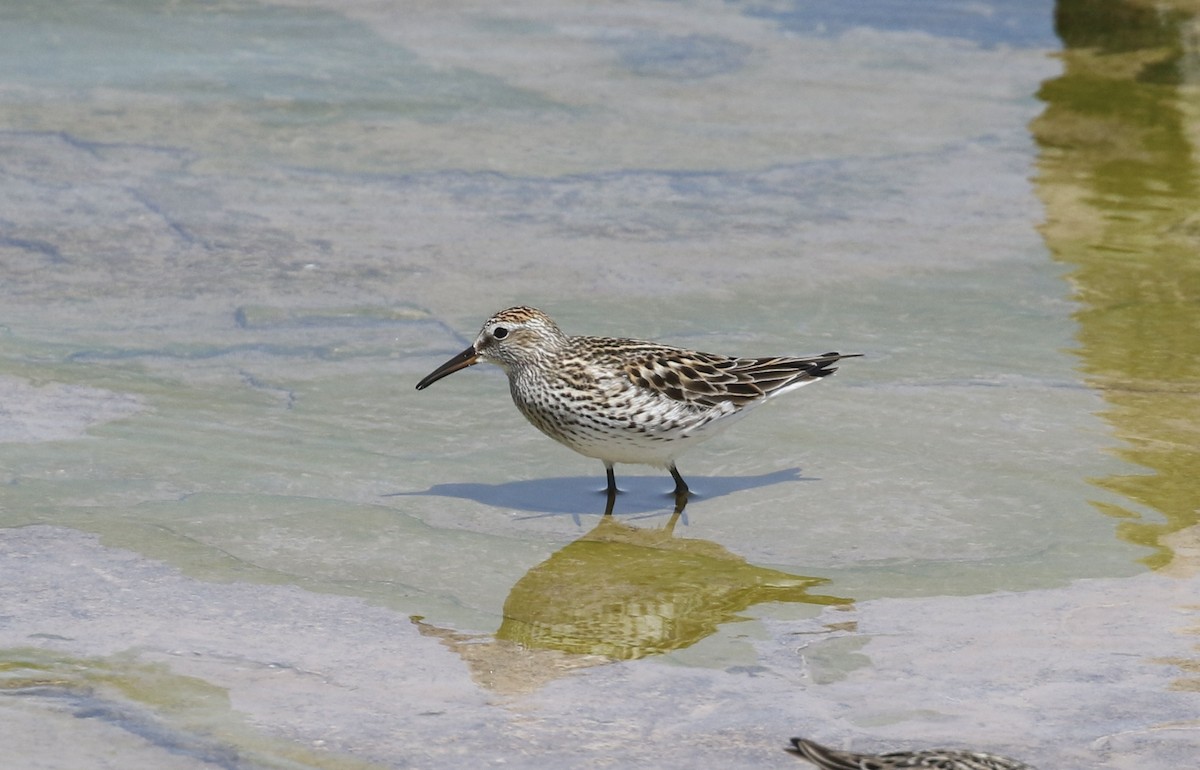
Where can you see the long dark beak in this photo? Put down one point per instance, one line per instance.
(461, 361)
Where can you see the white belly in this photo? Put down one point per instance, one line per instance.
(622, 430)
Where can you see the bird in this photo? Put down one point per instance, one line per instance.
(937, 759)
(624, 400)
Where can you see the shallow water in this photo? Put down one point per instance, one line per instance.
(234, 236)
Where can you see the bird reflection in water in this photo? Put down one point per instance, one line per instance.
(618, 593)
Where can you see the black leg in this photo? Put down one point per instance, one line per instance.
(612, 489)
(681, 490)
(681, 487)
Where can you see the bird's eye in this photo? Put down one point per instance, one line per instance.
(500, 332)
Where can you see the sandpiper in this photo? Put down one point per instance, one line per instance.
(623, 400)
(937, 759)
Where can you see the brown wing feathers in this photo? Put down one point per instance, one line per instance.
(706, 379)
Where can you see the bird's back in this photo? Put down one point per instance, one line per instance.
(937, 759)
(625, 400)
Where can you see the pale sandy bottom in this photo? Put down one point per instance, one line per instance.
(1062, 677)
(234, 236)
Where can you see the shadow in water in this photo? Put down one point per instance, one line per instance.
(569, 495)
(619, 592)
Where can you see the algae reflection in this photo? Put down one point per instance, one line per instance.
(1118, 177)
(182, 715)
(621, 592)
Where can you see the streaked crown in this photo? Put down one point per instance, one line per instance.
(518, 336)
